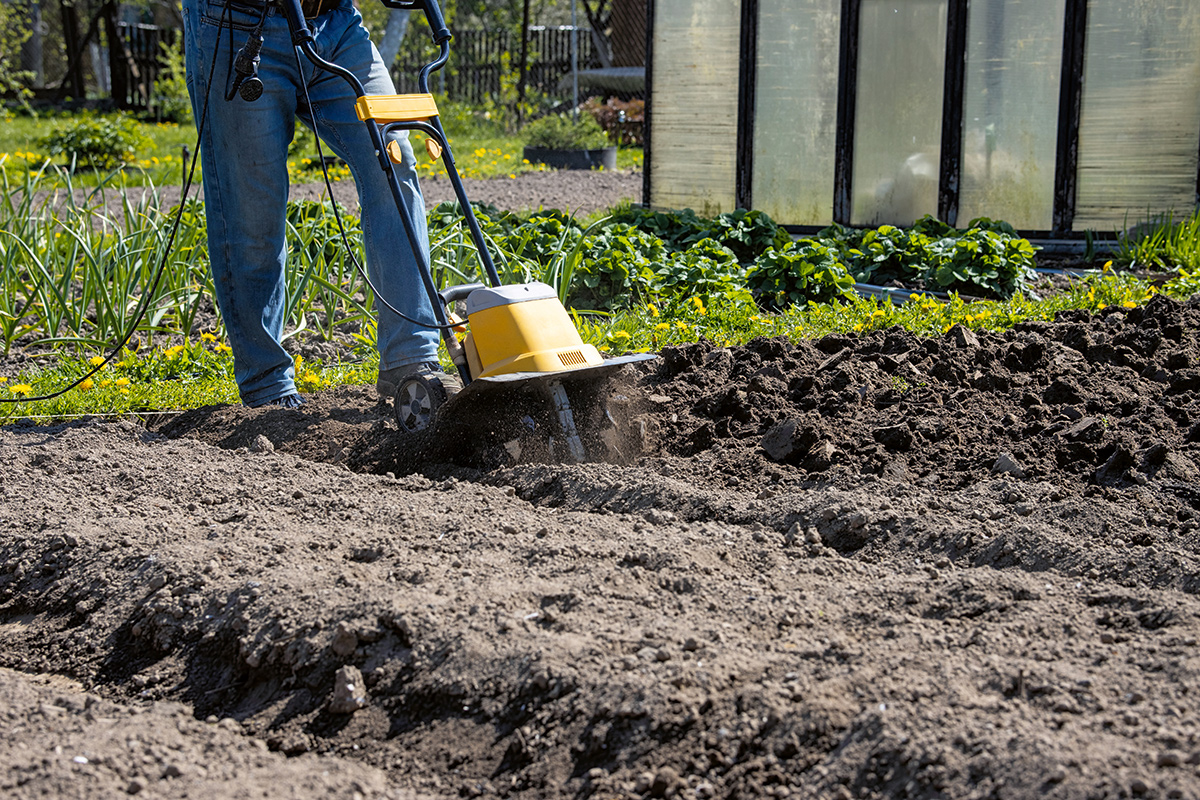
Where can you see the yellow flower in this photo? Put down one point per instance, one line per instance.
(223, 348)
(86, 384)
(3, 379)
(1129, 304)
(172, 352)
(681, 326)
(96, 361)
(122, 381)
(662, 326)
(21, 389)
(652, 309)
(208, 337)
(619, 336)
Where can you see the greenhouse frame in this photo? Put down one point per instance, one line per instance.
(1066, 118)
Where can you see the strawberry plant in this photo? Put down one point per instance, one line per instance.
(808, 270)
(748, 234)
(616, 268)
(707, 270)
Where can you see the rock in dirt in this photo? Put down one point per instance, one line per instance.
(349, 691)
(1007, 464)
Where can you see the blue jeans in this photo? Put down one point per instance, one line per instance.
(244, 156)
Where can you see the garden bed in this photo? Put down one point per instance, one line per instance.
(865, 566)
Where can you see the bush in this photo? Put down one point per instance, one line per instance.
(562, 132)
(170, 87)
(14, 30)
(100, 142)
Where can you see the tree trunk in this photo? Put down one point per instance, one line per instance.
(393, 35)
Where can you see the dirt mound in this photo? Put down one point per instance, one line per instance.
(876, 566)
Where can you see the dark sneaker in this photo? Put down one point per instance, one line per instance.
(389, 380)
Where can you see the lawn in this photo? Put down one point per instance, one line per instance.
(159, 147)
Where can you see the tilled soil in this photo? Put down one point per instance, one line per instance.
(880, 566)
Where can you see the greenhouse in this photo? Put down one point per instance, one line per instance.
(1066, 118)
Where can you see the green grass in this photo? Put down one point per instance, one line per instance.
(159, 163)
(479, 154)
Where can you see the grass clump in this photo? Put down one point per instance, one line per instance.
(1161, 244)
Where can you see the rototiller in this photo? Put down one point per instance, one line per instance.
(519, 341)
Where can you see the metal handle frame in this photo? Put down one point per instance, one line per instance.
(302, 38)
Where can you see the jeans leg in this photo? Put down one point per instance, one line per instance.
(244, 156)
(391, 260)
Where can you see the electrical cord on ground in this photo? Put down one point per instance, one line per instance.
(148, 298)
(379, 298)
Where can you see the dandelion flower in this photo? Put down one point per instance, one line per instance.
(96, 361)
(619, 336)
(122, 381)
(86, 384)
(21, 389)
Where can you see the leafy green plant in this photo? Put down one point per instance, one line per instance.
(564, 132)
(1184, 286)
(170, 86)
(14, 31)
(806, 271)
(678, 230)
(101, 142)
(617, 268)
(977, 258)
(708, 270)
(748, 234)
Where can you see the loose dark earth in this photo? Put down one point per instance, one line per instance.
(862, 567)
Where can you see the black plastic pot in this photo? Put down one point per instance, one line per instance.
(573, 159)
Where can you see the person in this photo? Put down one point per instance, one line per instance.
(244, 155)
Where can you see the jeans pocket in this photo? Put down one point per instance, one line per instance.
(241, 16)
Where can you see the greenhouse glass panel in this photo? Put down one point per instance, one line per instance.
(1010, 111)
(795, 118)
(1140, 122)
(898, 115)
(694, 105)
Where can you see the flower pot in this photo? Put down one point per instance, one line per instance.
(573, 159)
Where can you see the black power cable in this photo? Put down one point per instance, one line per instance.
(148, 297)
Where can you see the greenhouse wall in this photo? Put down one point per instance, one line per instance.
(1062, 117)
